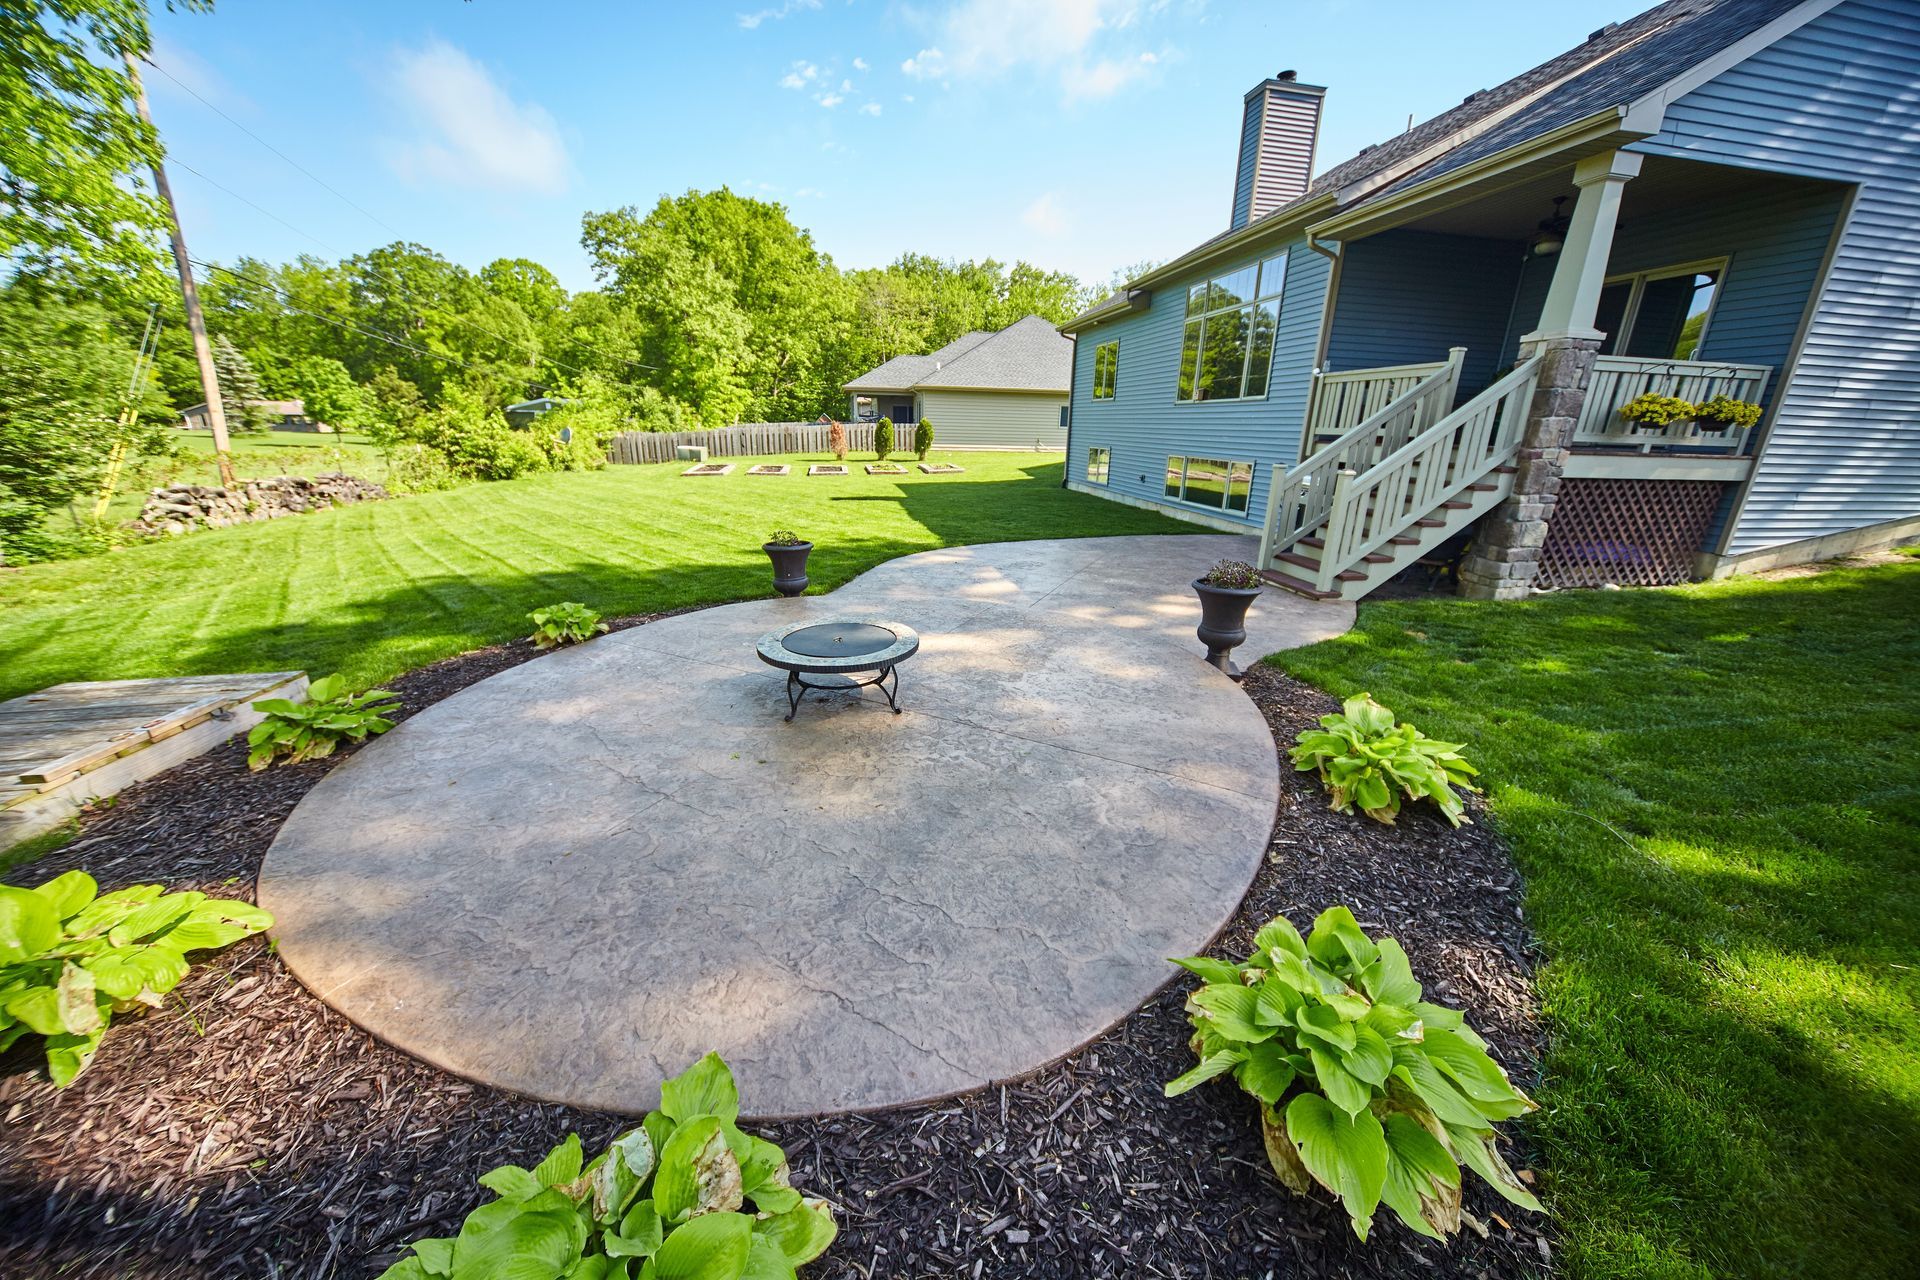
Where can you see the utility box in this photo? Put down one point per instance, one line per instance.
(690, 452)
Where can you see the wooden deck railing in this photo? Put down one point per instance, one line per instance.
(1372, 506)
(1341, 401)
(1618, 379)
(1300, 498)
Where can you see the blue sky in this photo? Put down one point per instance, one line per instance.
(1083, 135)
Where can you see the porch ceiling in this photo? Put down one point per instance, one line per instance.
(1664, 183)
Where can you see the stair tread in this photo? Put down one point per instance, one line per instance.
(1296, 585)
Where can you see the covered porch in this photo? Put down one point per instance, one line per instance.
(1692, 280)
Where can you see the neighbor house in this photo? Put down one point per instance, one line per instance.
(1432, 341)
(287, 415)
(983, 390)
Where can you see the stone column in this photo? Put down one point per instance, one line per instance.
(1506, 549)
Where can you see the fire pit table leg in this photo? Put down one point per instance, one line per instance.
(893, 699)
(796, 690)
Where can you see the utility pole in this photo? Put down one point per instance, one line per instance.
(196, 322)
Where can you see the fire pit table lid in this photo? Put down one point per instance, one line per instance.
(838, 645)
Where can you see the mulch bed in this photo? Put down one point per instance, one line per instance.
(249, 1131)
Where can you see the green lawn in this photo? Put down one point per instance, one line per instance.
(375, 589)
(1714, 794)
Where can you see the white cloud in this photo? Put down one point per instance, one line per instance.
(846, 86)
(1082, 42)
(1045, 216)
(870, 109)
(468, 130)
(829, 100)
(798, 77)
(928, 64)
(808, 193)
(859, 64)
(774, 14)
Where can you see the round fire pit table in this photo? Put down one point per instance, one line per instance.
(834, 652)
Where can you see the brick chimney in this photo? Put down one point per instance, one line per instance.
(1278, 131)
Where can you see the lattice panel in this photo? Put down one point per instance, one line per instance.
(1635, 533)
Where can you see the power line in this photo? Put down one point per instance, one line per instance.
(527, 345)
(315, 178)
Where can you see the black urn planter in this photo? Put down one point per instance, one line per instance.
(789, 566)
(1223, 621)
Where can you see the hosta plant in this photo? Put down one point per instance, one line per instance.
(665, 1201)
(568, 622)
(1366, 760)
(72, 957)
(308, 730)
(1363, 1087)
(1724, 412)
(1651, 409)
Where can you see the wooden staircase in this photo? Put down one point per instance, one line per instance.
(1378, 497)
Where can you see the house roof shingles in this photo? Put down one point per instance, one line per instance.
(1028, 355)
(1617, 65)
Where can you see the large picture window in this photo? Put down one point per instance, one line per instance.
(1210, 482)
(1227, 350)
(1106, 369)
(1659, 315)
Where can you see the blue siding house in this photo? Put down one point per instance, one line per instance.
(1424, 352)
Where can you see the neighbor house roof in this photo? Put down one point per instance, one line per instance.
(1616, 66)
(1027, 355)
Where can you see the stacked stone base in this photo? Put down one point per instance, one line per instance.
(183, 508)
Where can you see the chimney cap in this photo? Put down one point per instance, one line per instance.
(1288, 75)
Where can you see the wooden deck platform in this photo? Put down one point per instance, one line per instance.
(73, 743)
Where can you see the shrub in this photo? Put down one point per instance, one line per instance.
(923, 439)
(71, 960)
(477, 443)
(785, 538)
(1652, 410)
(668, 1193)
(1385, 1096)
(1235, 575)
(883, 438)
(568, 622)
(1727, 412)
(1365, 759)
(837, 441)
(312, 729)
(415, 468)
(654, 411)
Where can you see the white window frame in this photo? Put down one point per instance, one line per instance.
(1113, 370)
(1106, 464)
(1639, 280)
(1261, 296)
(1234, 465)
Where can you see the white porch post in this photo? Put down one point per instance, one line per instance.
(1506, 549)
(1581, 270)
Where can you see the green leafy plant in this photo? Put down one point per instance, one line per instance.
(664, 1201)
(1366, 760)
(1726, 412)
(568, 622)
(883, 438)
(1363, 1087)
(1650, 409)
(1233, 575)
(785, 538)
(312, 729)
(71, 957)
(923, 439)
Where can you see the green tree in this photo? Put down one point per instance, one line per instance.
(393, 407)
(240, 390)
(64, 374)
(74, 185)
(329, 392)
(883, 438)
(923, 439)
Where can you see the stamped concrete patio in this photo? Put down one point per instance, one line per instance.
(575, 877)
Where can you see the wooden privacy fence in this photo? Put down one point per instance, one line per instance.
(749, 440)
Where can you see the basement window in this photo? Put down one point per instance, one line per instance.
(1210, 482)
(1106, 369)
(1098, 463)
(1226, 352)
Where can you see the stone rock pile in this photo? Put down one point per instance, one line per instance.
(183, 508)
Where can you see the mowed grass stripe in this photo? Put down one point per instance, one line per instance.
(372, 590)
